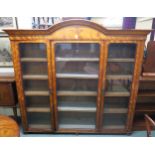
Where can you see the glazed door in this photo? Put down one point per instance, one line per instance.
(77, 78)
(34, 87)
(117, 87)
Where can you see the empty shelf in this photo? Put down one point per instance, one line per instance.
(119, 77)
(119, 94)
(38, 109)
(37, 93)
(33, 60)
(77, 126)
(147, 94)
(114, 126)
(77, 59)
(76, 93)
(77, 109)
(121, 60)
(35, 77)
(115, 110)
(40, 126)
(77, 76)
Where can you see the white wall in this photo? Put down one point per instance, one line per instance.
(24, 22)
(144, 23)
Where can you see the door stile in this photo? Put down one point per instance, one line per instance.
(103, 64)
(50, 83)
(19, 83)
(53, 67)
(135, 84)
(101, 85)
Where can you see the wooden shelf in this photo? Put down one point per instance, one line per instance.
(147, 78)
(77, 109)
(40, 126)
(115, 110)
(59, 59)
(146, 94)
(37, 93)
(121, 60)
(38, 109)
(145, 109)
(76, 126)
(35, 77)
(119, 94)
(77, 76)
(76, 93)
(33, 60)
(113, 126)
(119, 77)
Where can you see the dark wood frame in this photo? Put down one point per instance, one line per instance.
(82, 31)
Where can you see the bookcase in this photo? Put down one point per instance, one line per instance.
(77, 77)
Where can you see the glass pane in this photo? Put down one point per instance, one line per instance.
(30, 85)
(120, 68)
(74, 84)
(77, 112)
(77, 50)
(34, 68)
(32, 50)
(122, 50)
(77, 67)
(77, 120)
(116, 102)
(114, 121)
(77, 99)
(39, 120)
(37, 101)
(118, 85)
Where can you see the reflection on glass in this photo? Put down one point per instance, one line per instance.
(77, 50)
(114, 121)
(74, 84)
(118, 85)
(120, 68)
(32, 50)
(77, 67)
(77, 120)
(122, 50)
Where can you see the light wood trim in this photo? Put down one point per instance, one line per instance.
(76, 93)
(103, 64)
(50, 83)
(53, 68)
(77, 76)
(59, 59)
(33, 60)
(35, 77)
(121, 60)
(19, 83)
(135, 84)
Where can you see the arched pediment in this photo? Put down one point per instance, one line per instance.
(78, 24)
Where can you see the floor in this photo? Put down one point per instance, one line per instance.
(134, 134)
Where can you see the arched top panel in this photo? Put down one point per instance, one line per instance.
(77, 24)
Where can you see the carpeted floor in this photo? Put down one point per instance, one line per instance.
(134, 134)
